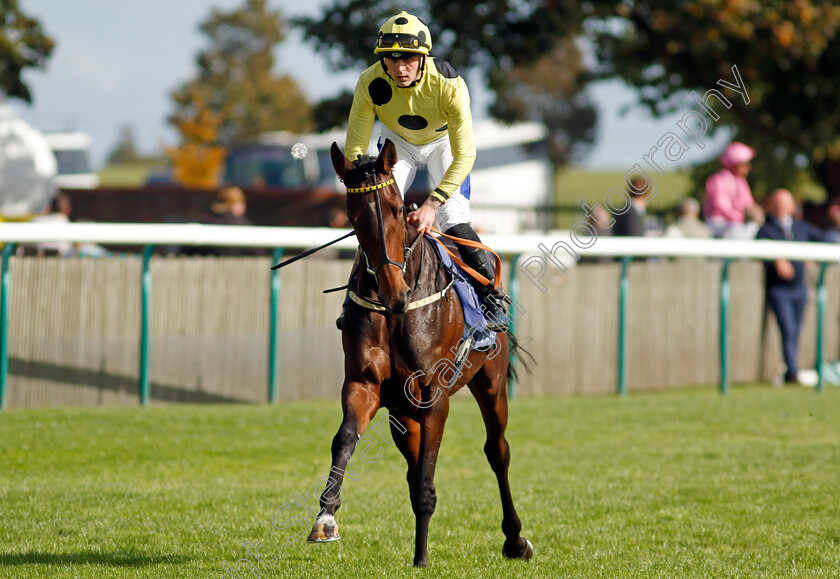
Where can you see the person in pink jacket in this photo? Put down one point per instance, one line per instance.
(728, 194)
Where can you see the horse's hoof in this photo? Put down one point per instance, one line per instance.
(521, 549)
(324, 530)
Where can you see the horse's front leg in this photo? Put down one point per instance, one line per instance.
(422, 487)
(360, 401)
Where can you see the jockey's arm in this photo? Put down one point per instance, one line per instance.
(359, 123)
(461, 142)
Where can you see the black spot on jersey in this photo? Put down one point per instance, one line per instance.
(443, 128)
(445, 69)
(380, 91)
(413, 122)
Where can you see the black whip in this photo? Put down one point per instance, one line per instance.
(311, 251)
(308, 252)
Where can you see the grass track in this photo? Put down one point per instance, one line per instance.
(681, 484)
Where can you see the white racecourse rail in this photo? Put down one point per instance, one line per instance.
(308, 237)
(536, 248)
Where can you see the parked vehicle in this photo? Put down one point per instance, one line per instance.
(72, 153)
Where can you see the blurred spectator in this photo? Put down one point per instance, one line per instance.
(728, 194)
(833, 214)
(631, 223)
(598, 219)
(753, 220)
(229, 209)
(688, 222)
(58, 212)
(785, 288)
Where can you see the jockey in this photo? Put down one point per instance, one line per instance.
(424, 107)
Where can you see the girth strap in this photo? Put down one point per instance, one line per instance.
(378, 307)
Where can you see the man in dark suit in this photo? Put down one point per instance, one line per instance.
(785, 288)
(631, 223)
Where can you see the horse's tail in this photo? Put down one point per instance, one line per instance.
(517, 354)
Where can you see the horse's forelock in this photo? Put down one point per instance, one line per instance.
(364, 162)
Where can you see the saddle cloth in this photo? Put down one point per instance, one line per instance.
(474, 320)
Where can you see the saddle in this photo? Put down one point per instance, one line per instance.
(475, 324)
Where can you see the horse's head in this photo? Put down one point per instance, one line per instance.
(376, 211)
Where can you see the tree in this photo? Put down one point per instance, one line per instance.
(198, 161)
(235, 78)
(550, 90)
(23, 44)
(332, 112)
(125, 150)
(516, 47)
(787, 53)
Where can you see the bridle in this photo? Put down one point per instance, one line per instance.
(374, 270)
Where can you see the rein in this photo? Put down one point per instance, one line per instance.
(457, 259)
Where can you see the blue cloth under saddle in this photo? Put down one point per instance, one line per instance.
(474, 320)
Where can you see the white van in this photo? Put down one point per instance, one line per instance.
(72, 153)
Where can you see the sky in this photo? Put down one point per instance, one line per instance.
(116, 63)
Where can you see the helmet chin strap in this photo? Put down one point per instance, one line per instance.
(422, 70)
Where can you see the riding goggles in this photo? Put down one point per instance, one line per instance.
(400, 39)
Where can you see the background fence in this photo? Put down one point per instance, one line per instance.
(75, 325)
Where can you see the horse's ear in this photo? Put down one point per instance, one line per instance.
(387, 158)
(339, 161)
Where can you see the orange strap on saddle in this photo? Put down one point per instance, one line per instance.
(457, 259)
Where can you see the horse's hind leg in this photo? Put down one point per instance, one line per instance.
(488, 387)
(360, 402)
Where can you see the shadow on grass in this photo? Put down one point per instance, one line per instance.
(88, 558)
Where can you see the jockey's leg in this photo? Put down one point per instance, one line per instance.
(494, 310)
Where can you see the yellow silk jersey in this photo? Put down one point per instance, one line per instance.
(438, 103)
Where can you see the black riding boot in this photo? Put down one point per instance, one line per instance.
(492, 300)
(354, 273)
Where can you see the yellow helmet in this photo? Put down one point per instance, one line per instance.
(404, 33)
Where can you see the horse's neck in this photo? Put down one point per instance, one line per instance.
(423, 266)
(421, 269)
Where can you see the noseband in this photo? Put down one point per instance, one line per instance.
(380, 223)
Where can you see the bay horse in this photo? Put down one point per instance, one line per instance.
(407, 324)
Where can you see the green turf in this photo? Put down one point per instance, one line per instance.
(573, 186)
(132, 174)
(681, 484)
